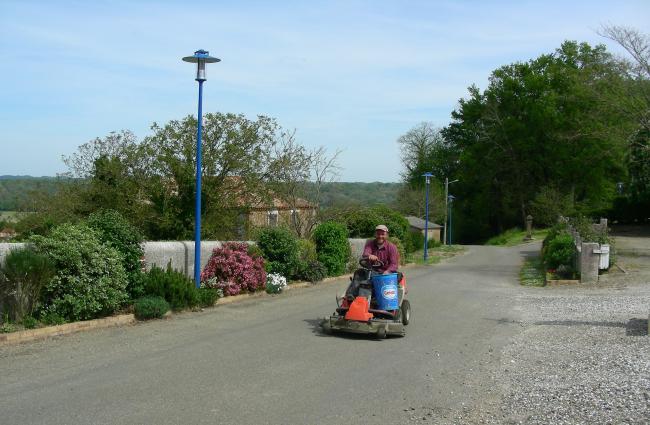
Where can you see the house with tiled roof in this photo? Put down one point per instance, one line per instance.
(417, 225)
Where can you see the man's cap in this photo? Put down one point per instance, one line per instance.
(382, 227)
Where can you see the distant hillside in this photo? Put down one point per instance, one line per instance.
(16, 190)
(10, 177)
(355, 193)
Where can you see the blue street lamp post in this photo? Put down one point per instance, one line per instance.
(200, 58)
(450, 200)
(427, 176)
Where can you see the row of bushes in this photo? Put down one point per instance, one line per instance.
(92, 268)
(278, 256)
(87, 270)
(78, 271)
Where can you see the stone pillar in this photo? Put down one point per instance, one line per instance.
(589, 262)
(529, 228)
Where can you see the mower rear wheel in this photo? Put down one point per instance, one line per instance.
(405, 312)
(381, 333)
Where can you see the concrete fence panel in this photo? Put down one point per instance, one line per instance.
(206, 252)
(8, 246)
(163, 253)
(356, 246)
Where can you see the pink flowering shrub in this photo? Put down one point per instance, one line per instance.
(233, 270)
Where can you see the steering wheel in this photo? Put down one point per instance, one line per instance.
(365, 263)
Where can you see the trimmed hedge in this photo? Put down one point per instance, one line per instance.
(115, 231)
(560, 251)
(150, 307)
(90, 281)
(332, 246)
(280, 250)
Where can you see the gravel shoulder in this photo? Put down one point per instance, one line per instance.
(583, 355)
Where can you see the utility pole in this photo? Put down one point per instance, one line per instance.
(445, 229)
(451, 200)
(427, 177)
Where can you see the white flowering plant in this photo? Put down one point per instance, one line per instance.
(275, 283)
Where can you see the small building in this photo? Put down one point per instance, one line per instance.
(264, 208)
(277, 212)
(416, 224)
(7, 234)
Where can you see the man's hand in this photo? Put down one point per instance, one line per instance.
(373, 258)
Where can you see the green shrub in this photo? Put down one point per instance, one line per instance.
(307, 250)
(115, 231)
(560, 251)
(179, 291)
(584, 226)
(150, 307)
(208, 296)
(23, 276)
(414, 241)
(254, 250)
(556, 229)
(433, 243)
(280, 250)
(29, 322)
(309, 268)
(332, 246)
(311, 271)
(90, 280)
(398, 225)
(50, 318)
(7, 326)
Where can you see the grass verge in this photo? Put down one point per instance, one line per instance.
(434, 255)
(532, 272)
(515, 236)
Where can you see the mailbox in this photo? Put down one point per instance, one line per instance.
(604, 257)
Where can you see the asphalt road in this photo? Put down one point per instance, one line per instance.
(264, 361)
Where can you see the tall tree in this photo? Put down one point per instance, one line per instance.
(539, 126)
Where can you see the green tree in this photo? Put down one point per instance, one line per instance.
(539, 124)
(152, 182)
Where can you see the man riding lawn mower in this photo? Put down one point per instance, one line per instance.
(374, 302)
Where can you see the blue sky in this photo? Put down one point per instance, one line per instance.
(350, 75)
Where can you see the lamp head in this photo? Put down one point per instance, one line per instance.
(200, 58)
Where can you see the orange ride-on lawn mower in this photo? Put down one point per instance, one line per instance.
(374, 303)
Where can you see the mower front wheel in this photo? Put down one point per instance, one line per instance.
(405, 312)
